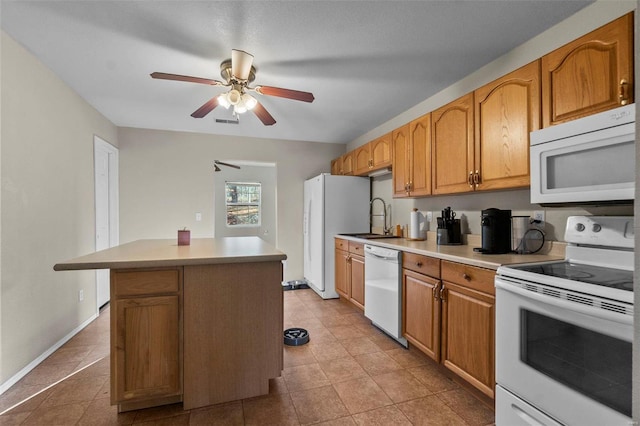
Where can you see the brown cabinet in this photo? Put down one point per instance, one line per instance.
(373, 156)
(421, 303)
(349, 270)
(468, 324)
(591, 74)
(506, 111)
(336, 166)
(412, 158)
(146, 353)
(452, 147)
(449, 314)
(348, 163)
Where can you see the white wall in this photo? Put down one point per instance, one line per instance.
(168, 176)
(47, 210)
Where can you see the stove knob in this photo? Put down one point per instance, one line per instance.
(596, 227)
(579, 227)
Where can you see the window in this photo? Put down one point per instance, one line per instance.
(243, 203)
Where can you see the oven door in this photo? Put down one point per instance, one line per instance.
(568, 360)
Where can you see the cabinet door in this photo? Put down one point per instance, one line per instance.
(421, 309)
(342, 273)
(347, 163)
(420, 156)
(357, 281)
(468, 335)
(146, 354)
(452, 147)
(591, 74)
(362, 160)
(507, 110)
(336, 166)
(400, 161)
(381, 151)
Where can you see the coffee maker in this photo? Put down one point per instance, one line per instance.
(496, 231)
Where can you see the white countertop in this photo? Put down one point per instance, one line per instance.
(159, 253)
(553, 250)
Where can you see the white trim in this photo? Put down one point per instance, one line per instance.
(33, 364)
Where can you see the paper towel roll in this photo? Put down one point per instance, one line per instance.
(414, 225)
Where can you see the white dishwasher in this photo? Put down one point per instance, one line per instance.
(383, 290)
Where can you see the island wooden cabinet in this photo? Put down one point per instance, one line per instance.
(452, 147)
(412, 158)
(591, 74)
(468, 324)
(349, 270)
(506, 111)
(146, 326)
(421, 303)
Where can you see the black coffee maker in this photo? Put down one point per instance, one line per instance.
(496, 231)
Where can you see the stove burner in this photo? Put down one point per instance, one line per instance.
(597, 275)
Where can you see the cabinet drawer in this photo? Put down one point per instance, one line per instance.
(356, 248)
(422, 264)
(469, 276)
(137, 283)
(342, 244)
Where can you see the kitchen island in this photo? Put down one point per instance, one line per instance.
(201, 323)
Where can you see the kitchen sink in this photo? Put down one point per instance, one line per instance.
(368, 236)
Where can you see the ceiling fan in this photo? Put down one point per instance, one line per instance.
(238, 72)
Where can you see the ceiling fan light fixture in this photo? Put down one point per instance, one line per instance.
(234, 97)
(249, 101)
(223, 100)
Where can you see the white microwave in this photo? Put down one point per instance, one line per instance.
(590, 160)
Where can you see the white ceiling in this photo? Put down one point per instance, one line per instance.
(365, 61)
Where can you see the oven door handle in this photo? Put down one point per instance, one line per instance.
(563, 304)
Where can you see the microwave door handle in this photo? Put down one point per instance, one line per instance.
(563, 304)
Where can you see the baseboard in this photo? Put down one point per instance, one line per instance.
(33, 364)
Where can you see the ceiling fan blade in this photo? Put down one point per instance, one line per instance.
(285, 93)
(264, 116)
(206, 108)
(177, 77)
(241, 62)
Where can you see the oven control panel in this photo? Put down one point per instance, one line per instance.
(606, 231)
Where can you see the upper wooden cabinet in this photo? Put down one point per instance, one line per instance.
(348, 163)
(506, 111)
(412, 158)
(336, 166)
(452, 147)
(591, 74)
(372, 156)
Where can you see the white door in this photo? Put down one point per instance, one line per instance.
(106, 205)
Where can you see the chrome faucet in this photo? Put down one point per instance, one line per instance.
(385, 230)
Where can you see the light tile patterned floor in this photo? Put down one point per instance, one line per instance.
(348, 374)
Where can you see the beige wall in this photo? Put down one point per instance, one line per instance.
(47, 210)
(165, 177)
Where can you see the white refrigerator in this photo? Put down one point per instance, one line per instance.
(332, 205)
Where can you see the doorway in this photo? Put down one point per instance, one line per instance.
(106, 206)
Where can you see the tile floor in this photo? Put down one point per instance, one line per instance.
(348, 374)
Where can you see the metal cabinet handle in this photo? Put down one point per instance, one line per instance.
(476, 178)
(435, 292)
(442, 293)
(470, 179)
(419, 264)
(623, 91)
(466, 277)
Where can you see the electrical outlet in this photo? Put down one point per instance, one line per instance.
(80, 295)
(429, 216)
(198, 217)
(538, 215)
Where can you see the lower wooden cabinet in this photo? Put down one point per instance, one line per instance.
(450, 316)
(146, 337)
(349, 270)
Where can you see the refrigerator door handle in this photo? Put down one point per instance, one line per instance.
(308, 229)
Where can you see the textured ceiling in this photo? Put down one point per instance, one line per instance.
(365, 61)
